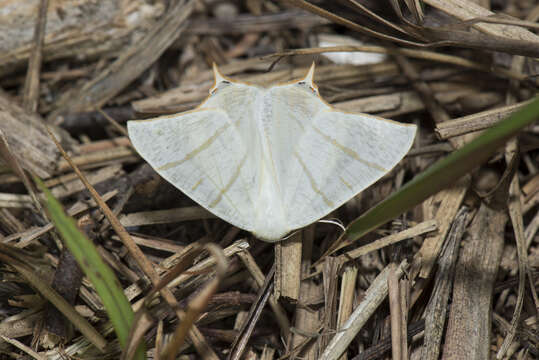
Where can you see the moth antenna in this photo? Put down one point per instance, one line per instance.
(309, 77)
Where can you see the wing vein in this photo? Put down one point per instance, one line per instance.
(232, 180)
(348, 151)
(311, 180)
(206, 144)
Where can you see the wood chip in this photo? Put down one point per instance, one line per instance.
(468, 330)
(374, 296)
(288, 266)
(477, 121)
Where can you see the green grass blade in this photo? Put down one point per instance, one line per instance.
(101, 276)
(443, 173)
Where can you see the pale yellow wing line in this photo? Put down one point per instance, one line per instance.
(348, 151)
(206, 144)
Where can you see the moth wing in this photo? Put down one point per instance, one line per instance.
(203, 154)
(292, 110)
(338, 155)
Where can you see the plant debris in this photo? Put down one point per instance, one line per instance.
(453, 277)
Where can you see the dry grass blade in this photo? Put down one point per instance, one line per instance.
(197, 304)
(478, 121)
(32, 234)
(288, 266)
(131, 63)
(35, 153)
(411, 53)
(350, 24)
(159, 341)
(98, 158)
(498, 19)
(346, 297)
(120, 230)
(397, 315)
(525, 45)
(468, 10)
(468, 330)
(11, 160)
(264, 293)
(431, 63)
(114, 123)
(482, 41)
(205, 265)
(436, 311)
(307, 325)
(374, 296)
(419, 229)
(254, 23)
(515, 214)
(135, 251)
(378, 18)
(31, 85)
(258, 277)
(443, 207)
(28, 350)
(510, 39)
(330, 272)
(68, 275)
(165, 216)
(185, 259)
(438, 113)
(102, 28)
(19, 261)
(143, 322)
(416, 9)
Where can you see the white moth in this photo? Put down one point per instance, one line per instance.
(270, 160)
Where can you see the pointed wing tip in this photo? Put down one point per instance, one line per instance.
(310, 75)
(217, 74)
(130, 124)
